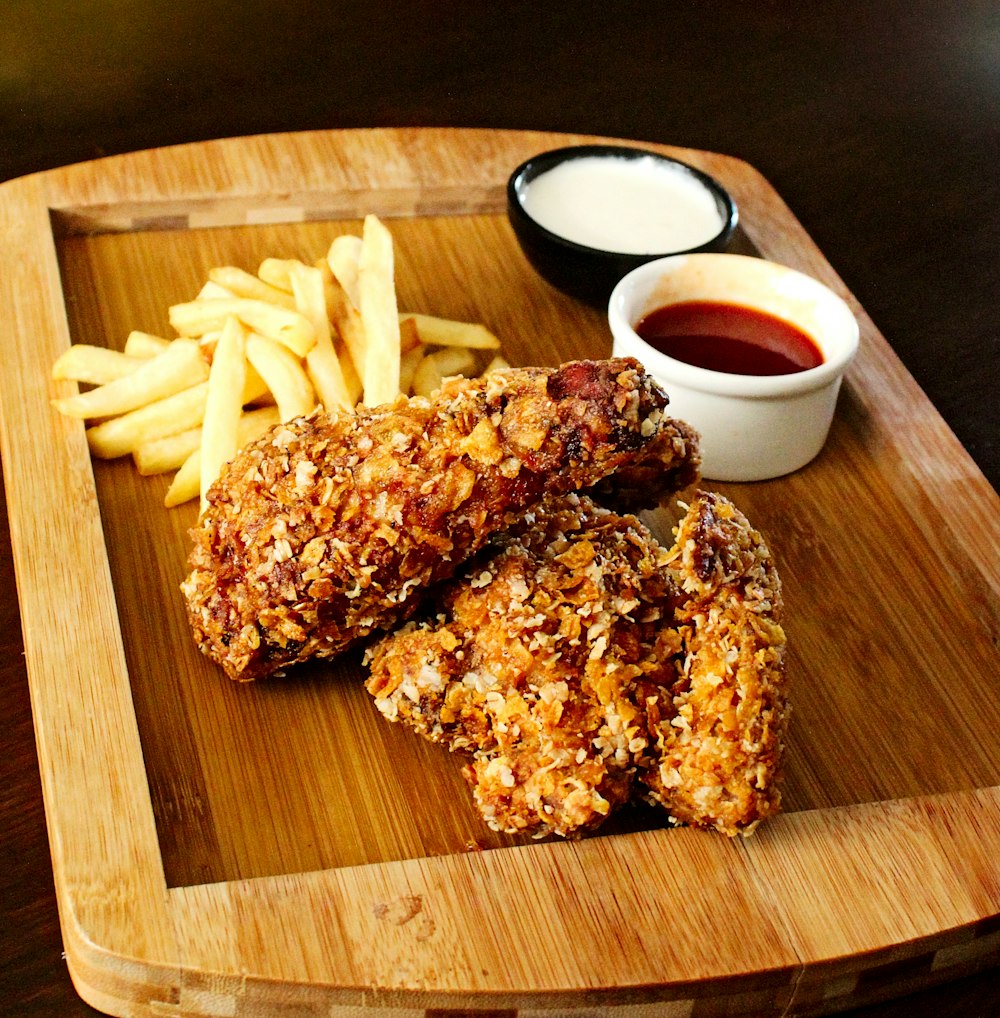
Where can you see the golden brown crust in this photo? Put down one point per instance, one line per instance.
(330, 527)
(717, 734)
(530, 666)
(582, 664)
(669, 464)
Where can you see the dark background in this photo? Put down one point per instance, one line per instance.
(877, 122)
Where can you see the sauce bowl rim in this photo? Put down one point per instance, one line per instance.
(544, 161)
(724, 383)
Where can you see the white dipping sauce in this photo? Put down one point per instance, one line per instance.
(630, 206)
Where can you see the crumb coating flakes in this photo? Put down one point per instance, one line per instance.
(330, 527)
(530, 664)
(581, 664)
(716, 747)
(670, 463)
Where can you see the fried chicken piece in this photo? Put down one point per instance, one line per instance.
(669, 464)
(531, 663)
(717, 732)
(331, 527)
(582, 664)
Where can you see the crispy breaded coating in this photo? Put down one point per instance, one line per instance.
(717, 732)
(582, 664)
(531, 665)
(331, 527)
(669, 464)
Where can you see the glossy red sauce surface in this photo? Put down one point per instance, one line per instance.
(729, 337)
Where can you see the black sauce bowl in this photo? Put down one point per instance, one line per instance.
(589, 273)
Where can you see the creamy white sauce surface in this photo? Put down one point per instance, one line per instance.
(630, 206)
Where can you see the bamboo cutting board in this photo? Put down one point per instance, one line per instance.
(278, 849)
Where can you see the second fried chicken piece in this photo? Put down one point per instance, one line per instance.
(531, 666)
(331, 527)
(717, 731)
(669, 464)
(583, 664)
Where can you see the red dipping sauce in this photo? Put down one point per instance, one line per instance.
(732, 338)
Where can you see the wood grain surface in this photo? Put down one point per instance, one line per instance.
(219, 848)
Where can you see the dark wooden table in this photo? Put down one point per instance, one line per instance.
(877, 121)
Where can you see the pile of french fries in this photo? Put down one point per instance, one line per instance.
(251, 351)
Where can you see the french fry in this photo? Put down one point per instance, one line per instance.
(275, 272)
(379, 314)
(197, 317)
(158, 455)
(224, 403)
(145, 344)
(409, 336)
(442, 364)
(255, 389)
(454, 360)
(408, 366)
(345, 318)
(214, 291)
(411, 350)
(243, 284)
(120, 436)
(344, 259)
(496, 363)
(445, 332)
(179, 367)
(254, 423)
(427, 377)
(351, 377)
(186, 483)
(170, 452)
(327, 376)
(207, 343)
(283, 374)
(322, 365)
(93, 365)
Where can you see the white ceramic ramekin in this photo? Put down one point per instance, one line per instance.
(752, 427)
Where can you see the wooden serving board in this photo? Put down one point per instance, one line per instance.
(279, 849)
